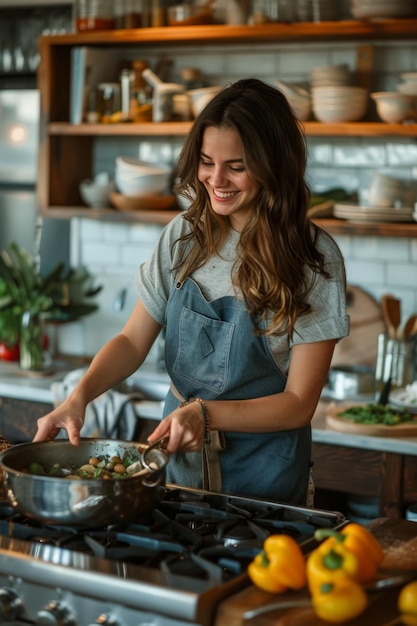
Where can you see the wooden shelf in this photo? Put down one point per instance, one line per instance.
(311, 129)
(145, 129)
(67, 151)
(378, 229)
(332, 225)
(113, 215)
(217, 34)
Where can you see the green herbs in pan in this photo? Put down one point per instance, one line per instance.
(105, 468)
(377, 414)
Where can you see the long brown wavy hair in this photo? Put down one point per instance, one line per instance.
(278, 243)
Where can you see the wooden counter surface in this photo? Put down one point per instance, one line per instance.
(399, 540)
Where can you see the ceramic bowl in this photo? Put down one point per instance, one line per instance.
(200, 97)
(147, 202)
(393, 107)
(143, 185)
(131, 166)
(96, 193)
(298, 98)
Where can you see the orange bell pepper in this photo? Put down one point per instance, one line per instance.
(279, 566)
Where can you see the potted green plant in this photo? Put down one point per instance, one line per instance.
(28, 299)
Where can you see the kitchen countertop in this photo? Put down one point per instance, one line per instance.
(323, 434)
(37, 387)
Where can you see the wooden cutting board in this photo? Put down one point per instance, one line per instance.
(366, 322)
(398, 538)
(344, 425)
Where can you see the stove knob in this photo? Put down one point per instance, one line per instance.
(10, 605)
(55, 614)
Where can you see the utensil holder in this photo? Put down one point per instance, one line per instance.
(396, 362)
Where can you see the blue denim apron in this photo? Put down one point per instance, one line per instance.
(212, 353)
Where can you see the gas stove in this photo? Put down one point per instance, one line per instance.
(170, 568)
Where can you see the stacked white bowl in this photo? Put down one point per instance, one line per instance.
(339, 103)
(381, 9)
(134, 177)
(330, 75)
(298, 98)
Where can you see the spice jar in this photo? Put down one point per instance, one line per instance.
(109, 102)
(94, 15)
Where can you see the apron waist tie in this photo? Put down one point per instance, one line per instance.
(214, 442)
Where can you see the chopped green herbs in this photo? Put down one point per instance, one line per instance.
(377, 414)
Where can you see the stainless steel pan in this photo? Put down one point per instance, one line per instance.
(86, 503)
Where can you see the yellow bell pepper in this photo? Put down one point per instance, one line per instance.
(279, 566)
(329, 563)
(339, 601)
(361, 542)
(372, 545)
(407, 603)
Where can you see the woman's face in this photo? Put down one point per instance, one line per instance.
(222, 172)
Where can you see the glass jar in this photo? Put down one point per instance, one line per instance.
(131, 14)
(108, 104)
(141, 94)
(94, 15)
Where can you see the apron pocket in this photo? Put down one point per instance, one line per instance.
(204, 346)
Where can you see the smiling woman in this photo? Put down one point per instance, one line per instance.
(249, 292)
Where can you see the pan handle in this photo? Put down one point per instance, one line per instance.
(159, 444)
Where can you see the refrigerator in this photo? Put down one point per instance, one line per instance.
(20, 219)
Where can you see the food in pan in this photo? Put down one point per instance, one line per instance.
(376, 414)
(101, 467)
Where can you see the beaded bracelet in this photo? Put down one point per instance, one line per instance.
(203, 412)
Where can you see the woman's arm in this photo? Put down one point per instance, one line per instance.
(292, 408)
(118, 358)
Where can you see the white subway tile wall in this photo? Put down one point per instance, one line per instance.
(112, 251)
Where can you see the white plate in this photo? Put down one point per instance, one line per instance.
(372, 214)
(395, 400)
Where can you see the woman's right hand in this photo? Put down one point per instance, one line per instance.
(69, 415)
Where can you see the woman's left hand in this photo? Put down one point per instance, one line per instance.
(185, 428)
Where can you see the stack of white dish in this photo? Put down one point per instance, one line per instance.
(340, 103)
(134, 177)
(298, 98)
(330, 75)
(409, 84)
(355, 213)
(376, 9)
(394, 107)
(316, 10)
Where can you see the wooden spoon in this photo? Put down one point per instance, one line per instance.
(391, 309)
(410, 327)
